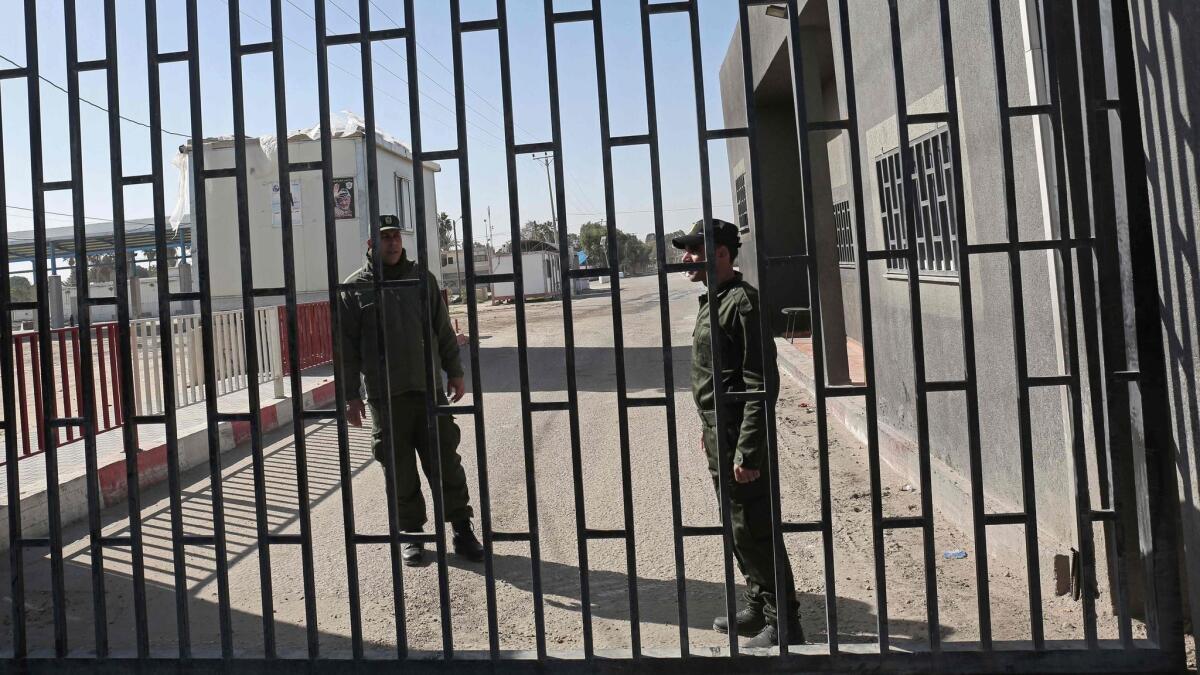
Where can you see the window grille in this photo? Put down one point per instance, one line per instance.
(937, 231)
(844, 226)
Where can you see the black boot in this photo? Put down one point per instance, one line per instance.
(413, 552)
(769, 636)
(749, 622)
(465, 543)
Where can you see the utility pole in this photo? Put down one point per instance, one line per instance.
(458, 254)
(545, 159)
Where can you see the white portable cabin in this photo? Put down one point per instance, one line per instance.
(541, 272)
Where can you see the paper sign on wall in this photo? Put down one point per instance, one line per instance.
(276, 214)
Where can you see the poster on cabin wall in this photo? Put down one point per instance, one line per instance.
(276, 212)
(343, 198)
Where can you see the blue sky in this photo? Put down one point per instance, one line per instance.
(577, 82)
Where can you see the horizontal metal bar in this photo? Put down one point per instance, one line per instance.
(505, 277)
(946, 385)
(529, 148)
(604, 534)
(1026, 246)
(13, 73)
(233, 416)
(570, 17)
(456, 410)
(257, 48)
(669, 7)
(721, 134)
(198, 540)
(1106, 105)
(220, 173)
(829, 125)
(1103, 515)
(929, 118)
(745, 396)
(150, 419)
(481, 24)
(116, 540)
(64, 422)
(270, 292)
(1028, 110)
(142, 179)
(23, 304)
(787, 259)
(1049, 380)
(402, 537)
(285, 539)
(319, 415)
(173, 57)
(95, 64)
(53, 185)
(185, 296)
(372, 36)
(297, 167)
(1005, 518)
(889, 254)
(510, 536)
(701, 530)
(102, 302)
(844, 390)
(683, 267)
(548, 406)
(1125, 375)
(33, 542)
(902, 522)
(637, 139)
(646, 402)
(439, 155)
(810, 526)
(384, 284)
(588, 272)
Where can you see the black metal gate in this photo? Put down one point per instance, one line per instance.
(1126, 385)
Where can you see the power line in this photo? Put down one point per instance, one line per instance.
(97, 106)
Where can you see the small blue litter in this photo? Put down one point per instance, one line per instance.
(956, 554)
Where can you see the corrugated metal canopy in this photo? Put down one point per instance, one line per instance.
(139, 236)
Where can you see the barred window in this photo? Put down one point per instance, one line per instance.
(740, 187)
(844, 226)
(937, 231)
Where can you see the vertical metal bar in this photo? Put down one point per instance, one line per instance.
(200, 227)
(916, 322)
(967, 313)
(385, 407)
(129, 431)
(635, 629)
(1062, 17)
(22, 394)
(40, 410)
(103, 360)
(64, 377)
(664, 307)
(1110, 401)
(1160, 507)
(710, 259)
(560, 205)
(43, 376)
(258, 471)
(539, 610)
(15, 423)
(84, 378)
(784, 611)
(166, 335)
(114, 381)
(464, 189)
(300, 442)
(1016, 290)
(429, 295)
(345, 470)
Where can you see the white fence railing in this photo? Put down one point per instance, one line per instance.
(229, 357)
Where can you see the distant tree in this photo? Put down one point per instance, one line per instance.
(445, 231)
(22, 289)
(592, 240)
(535, 231)
(102, 269)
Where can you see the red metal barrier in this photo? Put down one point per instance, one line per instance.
(313, 333)
(66, 372)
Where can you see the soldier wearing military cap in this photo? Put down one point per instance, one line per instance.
(746, 366)
(403, 389)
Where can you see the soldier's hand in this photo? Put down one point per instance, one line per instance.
(744, 475)
(457, 388)
(354, 412)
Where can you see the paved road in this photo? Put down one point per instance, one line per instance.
(602, 484)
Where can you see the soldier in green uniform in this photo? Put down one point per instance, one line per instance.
(745, 367)
(405, 337)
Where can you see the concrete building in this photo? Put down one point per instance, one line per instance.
(541, 272)
(395, 171)
(454, 266)
(835, 246)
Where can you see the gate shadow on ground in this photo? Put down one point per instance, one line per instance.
(595, 368)
(658, 600)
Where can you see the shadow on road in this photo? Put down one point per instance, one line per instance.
(595, 368)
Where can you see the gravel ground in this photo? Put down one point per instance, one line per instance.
(602, 486)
